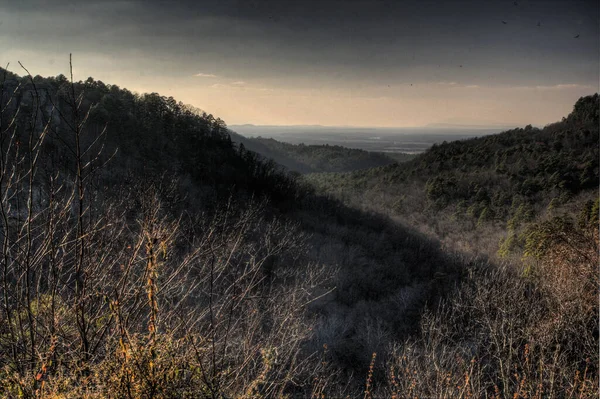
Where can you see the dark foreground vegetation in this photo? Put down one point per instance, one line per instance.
(145, 255)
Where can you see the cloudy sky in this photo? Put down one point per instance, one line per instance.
(328, 62)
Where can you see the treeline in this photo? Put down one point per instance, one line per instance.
(143, 135)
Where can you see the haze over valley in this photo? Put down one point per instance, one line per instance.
(393, 140)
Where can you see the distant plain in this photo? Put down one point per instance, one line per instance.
(412, 140)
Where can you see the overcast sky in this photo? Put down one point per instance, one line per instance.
(329, 62)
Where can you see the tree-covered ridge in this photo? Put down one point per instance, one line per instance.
(489, 177)
(145, 134)
(318, 158)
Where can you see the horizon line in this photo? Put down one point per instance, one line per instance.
(431, 125)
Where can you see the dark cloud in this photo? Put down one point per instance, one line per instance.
(333, 40)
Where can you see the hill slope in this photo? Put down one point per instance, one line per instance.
(512, 176)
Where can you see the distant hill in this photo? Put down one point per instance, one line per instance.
(508, 177)
(317, 158)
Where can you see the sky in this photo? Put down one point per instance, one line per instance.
(387, 63)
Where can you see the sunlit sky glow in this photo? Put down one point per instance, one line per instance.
(331, 62)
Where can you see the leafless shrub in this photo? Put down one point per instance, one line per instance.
(114, 296)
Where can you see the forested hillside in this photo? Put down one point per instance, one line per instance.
(317, 158)
(502, 180)
(145, 255)
(526, 201)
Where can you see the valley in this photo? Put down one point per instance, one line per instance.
(149, 251)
